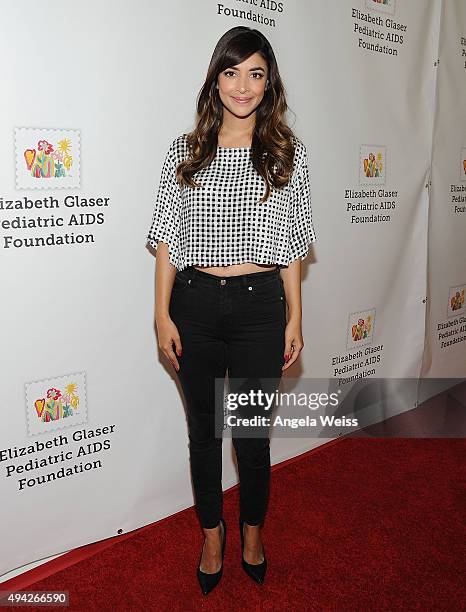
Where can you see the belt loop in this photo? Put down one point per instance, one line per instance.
(245, 280)
(192, 274)
(189, 273)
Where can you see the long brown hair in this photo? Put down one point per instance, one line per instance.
(272, 147)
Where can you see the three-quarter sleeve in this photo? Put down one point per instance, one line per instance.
(302, 231)
(166, 214)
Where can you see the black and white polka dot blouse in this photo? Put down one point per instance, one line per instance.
(222, 223)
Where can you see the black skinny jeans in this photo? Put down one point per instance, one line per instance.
(234, 323)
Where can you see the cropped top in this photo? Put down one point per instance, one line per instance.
(222, 222)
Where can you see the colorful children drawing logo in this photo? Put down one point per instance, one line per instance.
(457, 300)
(384, 6)
(373, 165)
(57, 405)
(362, 328)
(49, 161)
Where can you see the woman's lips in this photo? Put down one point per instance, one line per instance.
(240, 101)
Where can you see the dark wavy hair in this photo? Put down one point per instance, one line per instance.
(272, 147)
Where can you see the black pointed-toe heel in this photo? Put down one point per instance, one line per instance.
(254, 571)
(209, 581)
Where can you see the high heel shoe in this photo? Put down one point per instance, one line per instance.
(209, 581)
(254, 571)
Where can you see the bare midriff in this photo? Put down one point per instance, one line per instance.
(236, 269)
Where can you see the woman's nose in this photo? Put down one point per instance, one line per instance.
(242, 85)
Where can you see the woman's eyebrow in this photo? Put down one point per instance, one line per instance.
(250, 69)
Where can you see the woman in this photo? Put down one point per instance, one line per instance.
(231, 224)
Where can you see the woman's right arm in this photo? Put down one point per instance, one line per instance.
(162, 233)
(167, 331)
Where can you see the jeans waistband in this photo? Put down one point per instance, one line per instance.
(237, 280)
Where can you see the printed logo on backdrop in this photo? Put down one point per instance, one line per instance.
(56, 403)
(458, 192)
(375, 31)
(456, 301)
(362, 356)
(360, 329)
(452, 331)
(372, 164)
(47, 158)
(384, 6)
(246, 10)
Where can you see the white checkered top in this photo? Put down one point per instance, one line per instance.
(222, 222)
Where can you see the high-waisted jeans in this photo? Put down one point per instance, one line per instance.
(235, 324)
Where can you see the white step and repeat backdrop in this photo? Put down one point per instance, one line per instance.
(93, 439)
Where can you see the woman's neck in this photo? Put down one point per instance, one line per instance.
(236, 132)
(234, 139)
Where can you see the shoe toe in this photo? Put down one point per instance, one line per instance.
(256, 572)
(208, 581)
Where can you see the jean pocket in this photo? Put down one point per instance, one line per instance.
(179, 284)
(267, 292)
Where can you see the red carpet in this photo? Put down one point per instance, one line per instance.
(357, 524)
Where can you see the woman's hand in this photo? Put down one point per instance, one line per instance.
(168, 335)
(293, 342)
(291, 276)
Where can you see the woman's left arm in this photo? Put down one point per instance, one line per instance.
(302, 234)
(293, 332)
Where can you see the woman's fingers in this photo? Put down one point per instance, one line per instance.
(170, 337)
(288, 349)
(292, 359)
(172, 357)
(178, 347)
(296, 346)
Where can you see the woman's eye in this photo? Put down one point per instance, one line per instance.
(254, 74)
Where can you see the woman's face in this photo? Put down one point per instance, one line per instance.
(241, 88)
